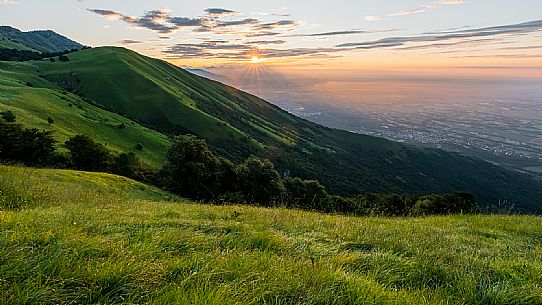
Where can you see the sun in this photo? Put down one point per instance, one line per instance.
(256, 60)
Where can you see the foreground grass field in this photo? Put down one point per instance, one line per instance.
(79, 238)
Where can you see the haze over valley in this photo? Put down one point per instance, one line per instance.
(494, 118)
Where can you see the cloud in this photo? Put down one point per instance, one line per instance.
(8, 2)
(219, 11)
(520, 28)
(216, 22)
(338, 33)
(106, 13)
(223, 36)
(267, 42)
(274, 25)
(246, 21)
(262, 34)
(156, 20)
(372, 18)
(186, 22)
(456, 44)
(445, 2)
(241, 51)
(130, 41)
(426, 7)
(521, 48)
(409, 12)
(507, 56)
(334, 33)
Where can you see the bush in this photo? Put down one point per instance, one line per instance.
(50, 120)
(32, 147)
(444, 204)
(63, 58)
(88, 155)
(260, 182)
(306, 194)
(129, 165)
(139, 146)
(8, 116)
(191, 169)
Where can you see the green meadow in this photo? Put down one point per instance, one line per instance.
(34, 100)
(70, 237)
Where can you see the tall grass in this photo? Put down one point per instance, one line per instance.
(101, 239)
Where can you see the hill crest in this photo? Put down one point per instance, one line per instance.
(39, 40)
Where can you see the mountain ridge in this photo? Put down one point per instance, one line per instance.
(236, 124)
(46, 41)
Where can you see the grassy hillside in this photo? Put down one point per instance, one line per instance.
(81, 238)
(34, 99)
(141, 88)
(6, 43)
(41, 41)
(237, 124)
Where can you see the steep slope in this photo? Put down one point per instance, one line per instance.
(236, 124)
(34, 99)
(6, 43)
(209, 75)
(41, 41)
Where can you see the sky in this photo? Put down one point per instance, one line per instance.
(486, 37)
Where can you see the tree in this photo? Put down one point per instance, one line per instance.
(88, 155)
(50, 120)
(445, 204)
(129, 165)
(29, 146)
(306, 194)
(191, 169)
(63, 58)
(8, 116)
(259, 181)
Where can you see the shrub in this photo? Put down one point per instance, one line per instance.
(88, 155)
(191, 169)
(260, 182)
(306, 194)
(444, 204)
(129, 165)
(8, 116)
(29, 146)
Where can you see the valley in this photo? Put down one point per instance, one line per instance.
(500, 121)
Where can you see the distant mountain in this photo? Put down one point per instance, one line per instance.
(209, 75)
(41, 41)
(170, 100)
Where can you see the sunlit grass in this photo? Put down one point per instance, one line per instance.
(100, 239)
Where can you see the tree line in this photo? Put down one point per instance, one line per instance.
(27, 55)
(193, 171)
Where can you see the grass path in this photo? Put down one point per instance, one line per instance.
(80, 238)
